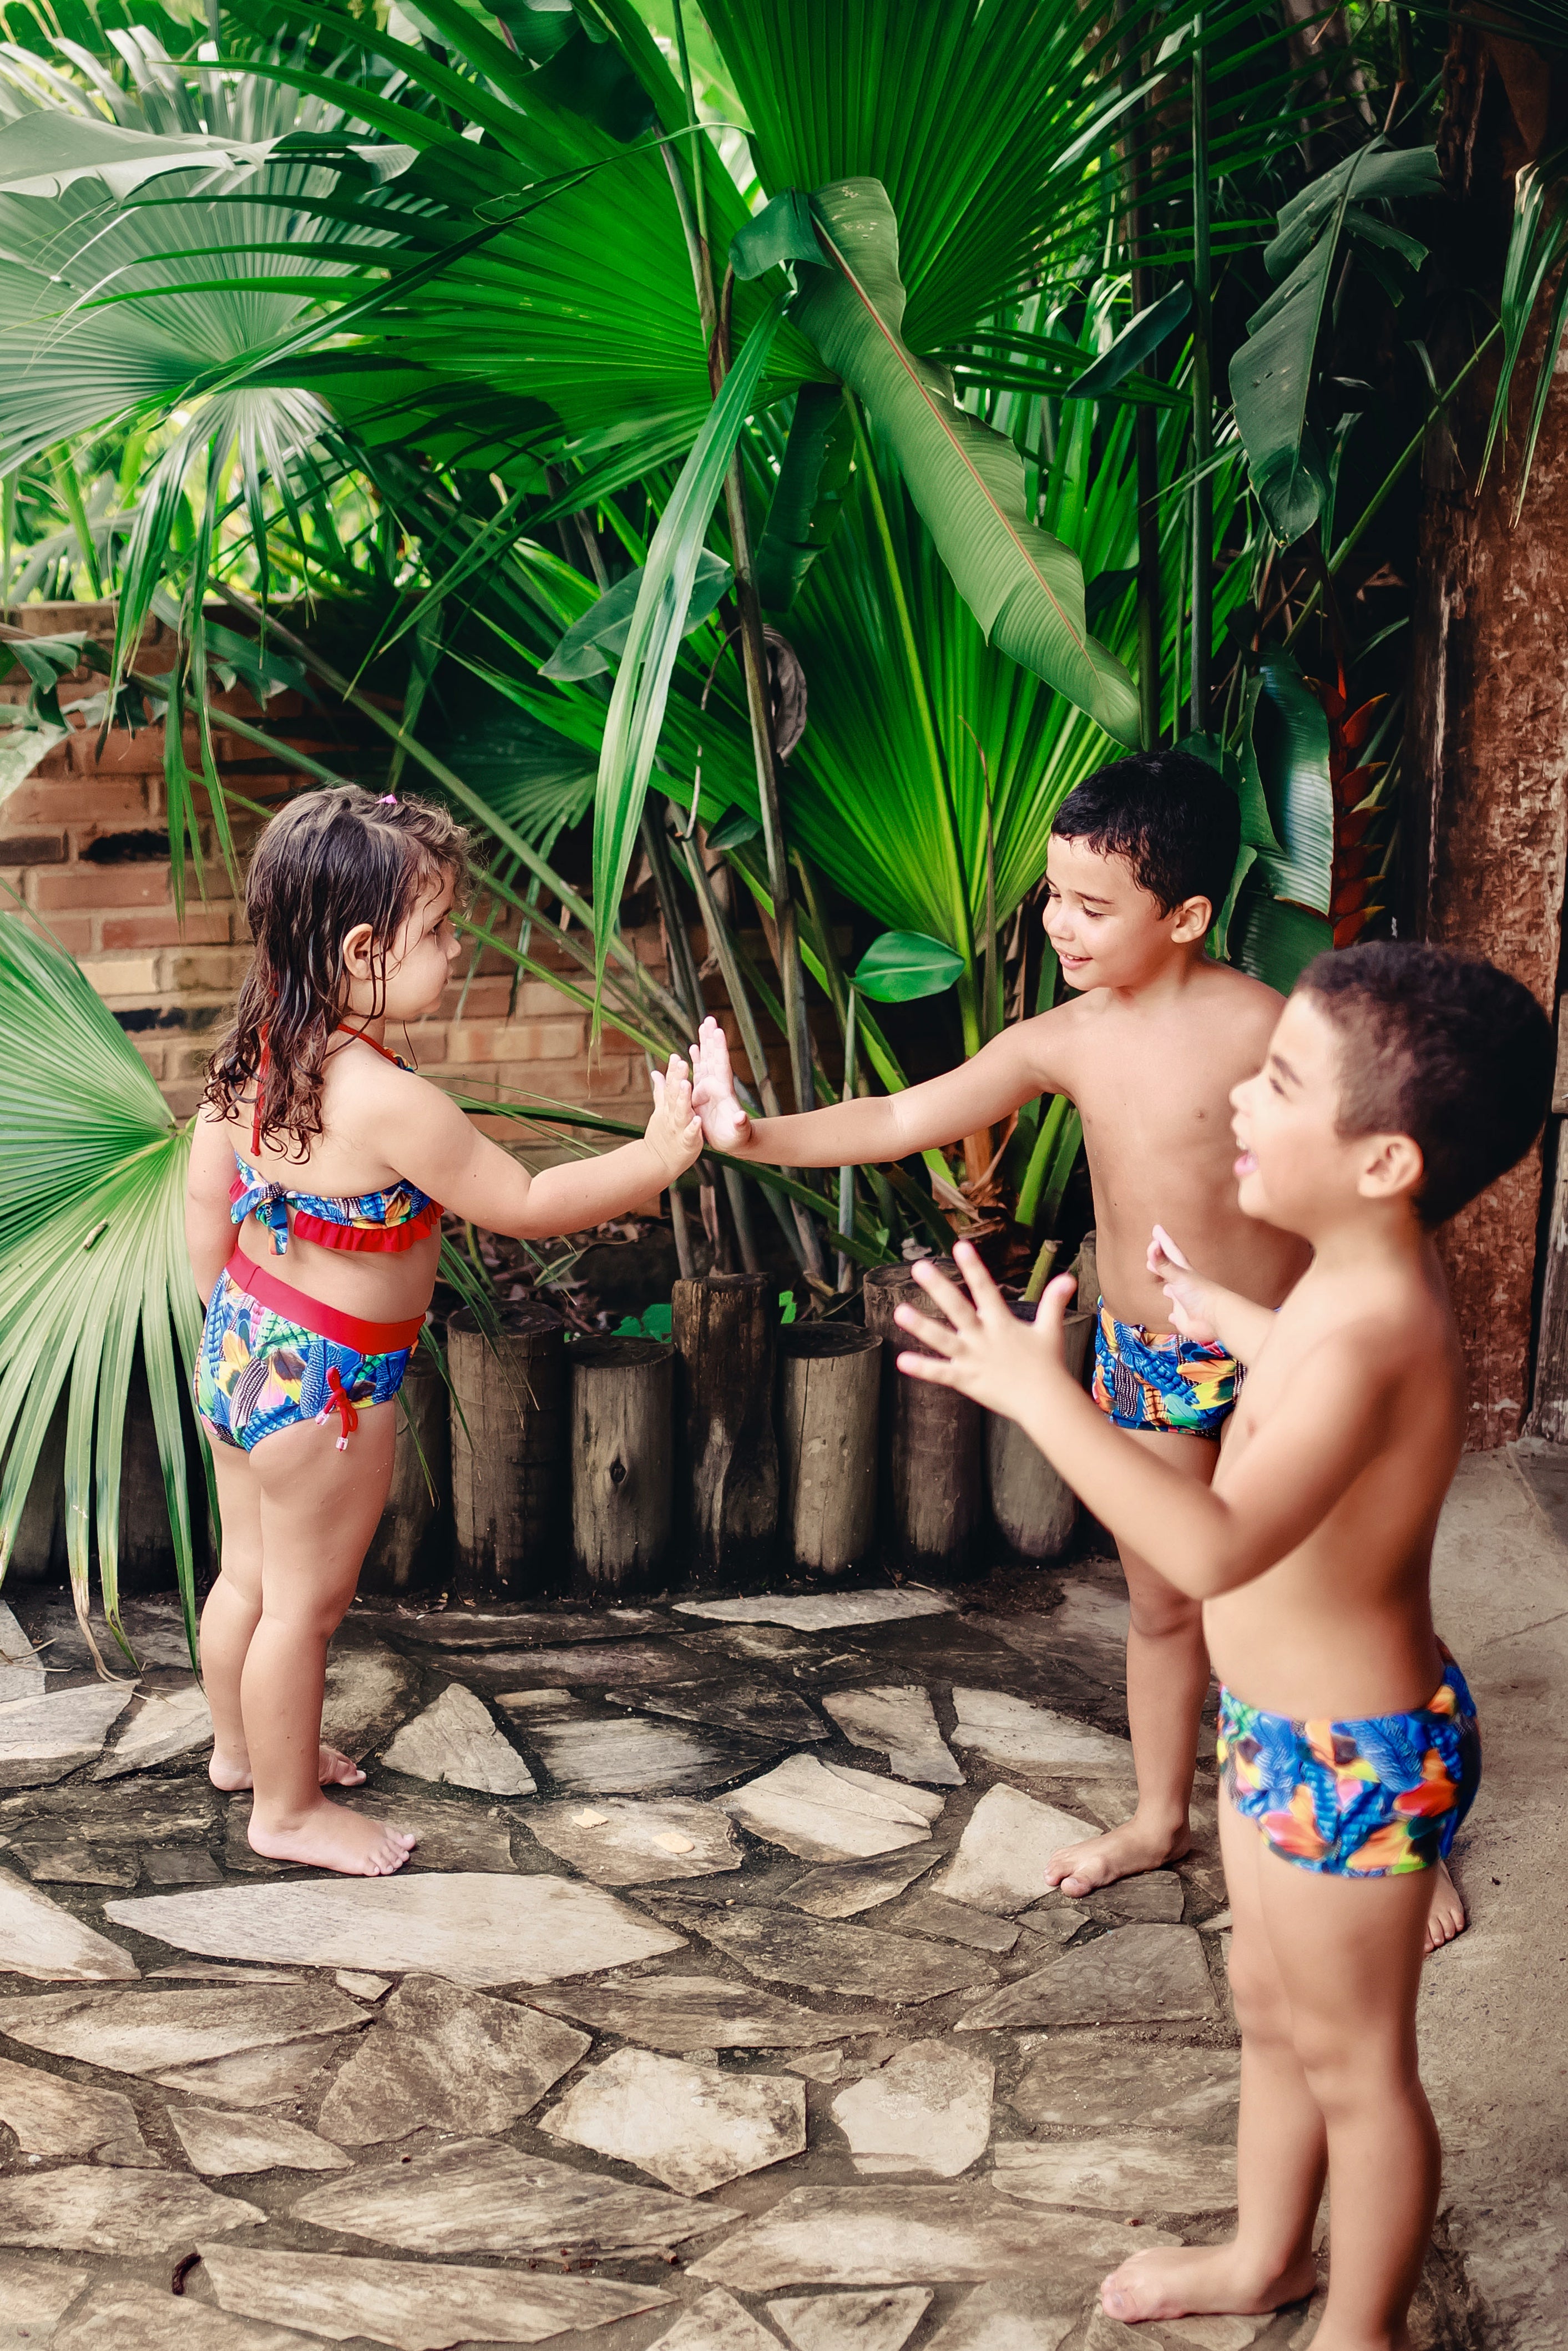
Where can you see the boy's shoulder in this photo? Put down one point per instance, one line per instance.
(1370, 1334)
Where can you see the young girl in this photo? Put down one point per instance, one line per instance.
(334, 1160)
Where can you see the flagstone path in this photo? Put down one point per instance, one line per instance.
(724, 2004)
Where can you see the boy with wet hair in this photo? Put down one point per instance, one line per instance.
(1399, 1082)
(1148, 1047)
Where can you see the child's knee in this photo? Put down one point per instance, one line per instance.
(309, 1617)
(1262, 2010)
(1348, 2071)
(1160, 1613)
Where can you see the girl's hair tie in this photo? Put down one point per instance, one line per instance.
(387, 800)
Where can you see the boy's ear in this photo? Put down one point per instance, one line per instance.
(1193, 918)
(358, 952)
(1392, 1168)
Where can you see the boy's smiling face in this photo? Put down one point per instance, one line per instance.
(1107, 930)
(1294, 1168)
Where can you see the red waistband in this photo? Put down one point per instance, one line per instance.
(327, 1322)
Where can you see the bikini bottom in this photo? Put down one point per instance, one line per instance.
(273, 1357)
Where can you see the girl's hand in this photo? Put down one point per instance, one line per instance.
(724, 1122)
(674, 1132)
(983, 1349)
(1188, 1292)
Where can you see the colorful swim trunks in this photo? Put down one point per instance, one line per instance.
(1158, 1379)
(261, 1369)
(1371, 1799)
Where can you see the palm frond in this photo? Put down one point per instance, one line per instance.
(93, 1261)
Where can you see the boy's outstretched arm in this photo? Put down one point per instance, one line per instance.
(1205, 1310)
(1329, 1423)
(1005, 1074)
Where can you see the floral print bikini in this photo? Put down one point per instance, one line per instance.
(271, 1356)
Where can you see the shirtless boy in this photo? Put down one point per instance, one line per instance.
(1149, 1048)
(1399, 1082)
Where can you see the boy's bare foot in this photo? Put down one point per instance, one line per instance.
(1125, 1851)
(1185, 2279)
(232, 1771)
(1446, 1916)
(330, 1836)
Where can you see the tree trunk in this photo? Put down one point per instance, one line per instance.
(1484, 813)
(724, 1334)
(1035, 1510)
(830, 1385)
(402, 1556)
(934, 1482)
(508, 1451)
(622, 1466)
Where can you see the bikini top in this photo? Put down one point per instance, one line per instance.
(390, 1221)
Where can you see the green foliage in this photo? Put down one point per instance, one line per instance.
(808, 494)
(93, 1269)
(1273, 374)
(903, 965)
(1537, 242)
(1025, 587)
(591, 643)
(1284, 900)
(636, 715)
(1139, 339)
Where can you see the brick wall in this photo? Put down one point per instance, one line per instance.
(83, 844)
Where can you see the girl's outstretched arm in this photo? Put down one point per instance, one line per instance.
(436, 1147)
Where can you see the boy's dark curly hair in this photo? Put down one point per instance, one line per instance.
(1440, 1046)
(1169, 815)
(327, 862)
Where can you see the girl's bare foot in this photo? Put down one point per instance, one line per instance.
(1446, 1916)
(1185, 2279)
(1125, 1851)
(331, 1836)
(232, 1771)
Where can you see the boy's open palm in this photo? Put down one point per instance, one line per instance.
(724, 1121)
(983, 1350)
(674, 1132)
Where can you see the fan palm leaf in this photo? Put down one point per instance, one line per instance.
(93, 1267)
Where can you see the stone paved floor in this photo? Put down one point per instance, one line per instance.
(724, 2005)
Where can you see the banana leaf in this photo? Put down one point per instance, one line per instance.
(1024, 588)
(1271, 375)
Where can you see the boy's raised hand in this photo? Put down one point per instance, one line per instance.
(983, 1349)
(724, 1123)
(674, 1132)
(1188, 1292)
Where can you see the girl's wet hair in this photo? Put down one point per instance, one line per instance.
(329, 861)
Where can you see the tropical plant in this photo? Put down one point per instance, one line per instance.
(93, 1272)
(499, 324)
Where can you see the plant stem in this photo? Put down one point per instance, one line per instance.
(697, 189)
(803, 1238)
(1146, 434)
(957, 871)
(754, 663)
(1202, 398)
(1041, 1271)
(684, 971)
(847, 1175)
